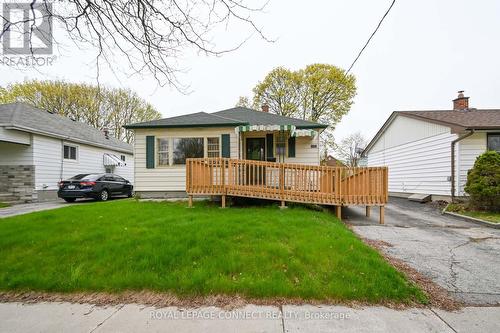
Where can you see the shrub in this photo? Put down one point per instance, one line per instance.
(483, 182)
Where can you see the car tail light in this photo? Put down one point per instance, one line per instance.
(60, 184)
(87, 183)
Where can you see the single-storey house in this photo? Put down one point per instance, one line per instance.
(430, 152)
(38, 149)
(162, 146)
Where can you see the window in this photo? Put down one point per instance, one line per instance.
(213, 147)
(163, 152)
(69, 152)
(187, 148)
(494, 142)
(122, 157)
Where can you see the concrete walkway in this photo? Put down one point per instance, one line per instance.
(460, 256)
(66, 317)
(38, 206)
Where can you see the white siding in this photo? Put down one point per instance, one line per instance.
(50, 168)
(468, 150)
(405, 130)
(15, 154)
(418, 156)
(170, 178)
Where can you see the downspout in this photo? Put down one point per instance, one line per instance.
(453, 161)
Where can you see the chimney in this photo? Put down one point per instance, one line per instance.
(265, 107)
(106, 132)
(461, 103)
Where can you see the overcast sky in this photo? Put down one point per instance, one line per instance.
(424, 52)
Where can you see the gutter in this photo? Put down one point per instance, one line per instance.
(453, 161)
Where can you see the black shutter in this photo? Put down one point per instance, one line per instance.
(226, 145)
(150, 152)
(291, 147)
(270, 145)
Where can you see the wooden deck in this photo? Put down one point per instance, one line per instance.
(284, 182)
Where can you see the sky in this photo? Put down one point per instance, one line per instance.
(422, 55)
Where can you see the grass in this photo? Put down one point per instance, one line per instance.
(256, 252)
(3, 205)
(483, 215)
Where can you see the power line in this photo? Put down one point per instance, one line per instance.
(371, 36)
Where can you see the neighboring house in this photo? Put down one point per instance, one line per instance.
(332, 161)
(430, 152)
(38, 149)
(162, 146)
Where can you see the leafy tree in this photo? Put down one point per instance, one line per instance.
(319, 92)
(97, 106)
(350, 148)
(280, 89)
(483, 182)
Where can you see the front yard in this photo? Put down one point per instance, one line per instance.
(258, 252)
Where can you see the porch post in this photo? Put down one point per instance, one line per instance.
(368, 211)
(223, 201)
(381, 217)
(190, 201)
(338, 212)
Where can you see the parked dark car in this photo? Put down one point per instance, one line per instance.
(100, 186)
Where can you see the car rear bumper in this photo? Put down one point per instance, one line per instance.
(77, 194)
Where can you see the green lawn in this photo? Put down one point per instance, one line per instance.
(261, 252)
(483, 215)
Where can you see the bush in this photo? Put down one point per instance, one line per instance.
(483, 182)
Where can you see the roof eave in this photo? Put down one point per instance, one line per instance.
(69, 138)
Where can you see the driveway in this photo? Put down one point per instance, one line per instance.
(460, 256)
(35, 207)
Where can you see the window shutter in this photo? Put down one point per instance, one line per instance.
(270, 145)
(226, 142)
(150, 152)
(291, 147)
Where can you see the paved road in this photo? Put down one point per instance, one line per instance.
(75, 318)
(462, 257)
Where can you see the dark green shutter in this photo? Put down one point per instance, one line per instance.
(226, 143)
(291, 147)
(270, 145)
(150, 152)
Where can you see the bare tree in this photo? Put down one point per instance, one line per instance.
(350, 149)
(150, 34)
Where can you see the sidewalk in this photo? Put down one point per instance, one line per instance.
(66, 317)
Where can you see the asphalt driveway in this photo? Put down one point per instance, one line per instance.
(462, 257)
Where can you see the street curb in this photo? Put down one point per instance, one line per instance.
(474, 220)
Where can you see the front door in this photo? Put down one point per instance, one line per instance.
(256, 151)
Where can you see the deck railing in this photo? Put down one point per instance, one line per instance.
(287, 182)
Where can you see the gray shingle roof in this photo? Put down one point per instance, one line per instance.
(28, 118)
(230, 117)
(466, 119)
(199, 119)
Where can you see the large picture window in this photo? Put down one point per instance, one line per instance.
(163, 152)
(187, 148)
(494, 142)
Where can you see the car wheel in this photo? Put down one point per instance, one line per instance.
(69, 199)
(104, 195)
(130, 194)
